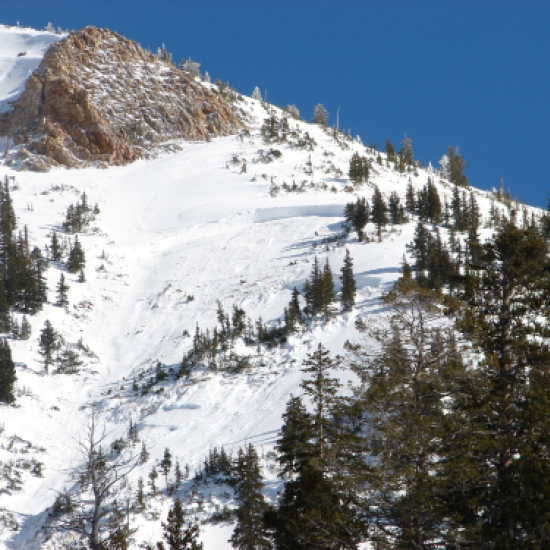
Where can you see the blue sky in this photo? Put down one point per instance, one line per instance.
(470, 73)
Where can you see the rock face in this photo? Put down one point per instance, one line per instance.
(99, 97)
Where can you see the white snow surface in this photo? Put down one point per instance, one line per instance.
(21, 50)
(183, 224)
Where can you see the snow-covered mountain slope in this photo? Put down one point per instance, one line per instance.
(21, 51)
(175, 235)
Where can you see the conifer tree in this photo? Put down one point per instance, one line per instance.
(322, 390)
(166, 464)
(397, 213)
(327, 293)
(390, 151)
(293, 311)
(410, 198)
(177, 534)
(401, 407)
(26, 329)
(315, 510)
(56, 251)
(7, 373)
(407, 151)
(504, 468)
(455, 168)
(5, 321)
(294, 447)
(62, 289)
(320, 115)
(249, 532)
(379, 212)
(47, 344)
(358, 169)
(349, 287)
(77, 260)
(360, 217)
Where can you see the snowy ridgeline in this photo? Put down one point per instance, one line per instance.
(238, 223)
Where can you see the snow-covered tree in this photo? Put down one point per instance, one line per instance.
(320, 115)
(293, 111)
(257, 94)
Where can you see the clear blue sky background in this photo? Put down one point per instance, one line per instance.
(467, 73)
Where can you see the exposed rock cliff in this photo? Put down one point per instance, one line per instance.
(99, 97)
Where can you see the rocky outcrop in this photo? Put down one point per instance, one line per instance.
(99, 97)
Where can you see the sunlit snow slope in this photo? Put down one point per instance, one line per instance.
(21, 51)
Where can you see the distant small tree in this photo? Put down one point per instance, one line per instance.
(357, 216)
(56, 250)
(62, 289)
(349, 287)
(166, 464)
(320, 115)
(358, 169)
(390, 151)
(257, 94)
(7, 373)
(293, 111)
(379, 212)
(407, 151)
(77, 259)
(48, 343)
(455, 168)
(26, 329)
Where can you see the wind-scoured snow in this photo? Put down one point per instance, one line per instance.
(174, 236)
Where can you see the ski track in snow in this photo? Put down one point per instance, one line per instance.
(185, 224)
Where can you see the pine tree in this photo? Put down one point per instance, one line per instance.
(322, 390)
(140, 496)
(359, 217)
(503, 453)
(311, 289)
(7, 373)
(379, 212)
(358, 169)
(5, 320)
(26, 329)
(349, 288)
(249, 532)
(62, 289)
(77, 260)
(320, 115)
(56, 251)
(455, 168)
(293, 310)
(47, 344)
(294, 447)
(257, 94)
(397, 213)
(407, 151)
(327, 293)
(177, 535)
(316, 509)
(153, 475)
(390, 151)
(166, 464)
(400, 405)
(410, 199)
(144, 453)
